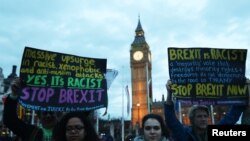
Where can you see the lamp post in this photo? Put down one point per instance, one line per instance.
(138, 110)
(138, 119)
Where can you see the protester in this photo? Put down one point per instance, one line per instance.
(198, 117)
(27, 132)
(75, 126)
(154, 129)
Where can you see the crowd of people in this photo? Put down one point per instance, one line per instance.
(76, 126)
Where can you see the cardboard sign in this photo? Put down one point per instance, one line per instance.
(208, 75)
(62, 82)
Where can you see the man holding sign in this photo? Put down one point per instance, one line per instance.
(198, 116)
(54, 82)
(27, 132)
(201, 77)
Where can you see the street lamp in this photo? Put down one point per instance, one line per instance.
(138, 110)
(138, 119)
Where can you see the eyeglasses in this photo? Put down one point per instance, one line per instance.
(152, 127)
(76, 129)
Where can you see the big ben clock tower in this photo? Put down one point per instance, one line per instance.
(141, 66)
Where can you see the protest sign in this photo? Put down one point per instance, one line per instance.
(62, 82)
(208, 75)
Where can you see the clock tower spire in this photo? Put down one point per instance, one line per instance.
(141, 78)
(139, 35)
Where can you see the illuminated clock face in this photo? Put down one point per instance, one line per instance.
(138, 55)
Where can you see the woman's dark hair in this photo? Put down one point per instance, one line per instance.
(164, 131)
(59, 133)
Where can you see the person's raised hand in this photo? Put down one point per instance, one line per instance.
(169, 91)
(15, 86)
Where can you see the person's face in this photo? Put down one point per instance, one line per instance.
(152, 130)
(200, 119)
(75, 130)
(48, 119)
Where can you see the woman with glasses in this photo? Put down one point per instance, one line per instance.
(154, 129)
(75, 126)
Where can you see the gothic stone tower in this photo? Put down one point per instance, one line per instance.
(141, 66)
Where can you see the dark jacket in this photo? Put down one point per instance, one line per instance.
(183, 133)
(27, 132)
